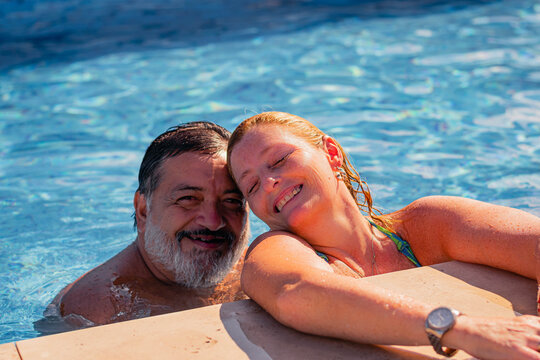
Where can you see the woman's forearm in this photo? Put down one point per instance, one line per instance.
(332, 305)
(355, 310)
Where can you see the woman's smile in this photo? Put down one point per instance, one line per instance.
(285, 197)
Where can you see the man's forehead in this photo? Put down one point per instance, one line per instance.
(192, 169)
(194, 158)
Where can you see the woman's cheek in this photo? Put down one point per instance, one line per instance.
(256, 206)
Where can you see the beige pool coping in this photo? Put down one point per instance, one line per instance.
(242, 330)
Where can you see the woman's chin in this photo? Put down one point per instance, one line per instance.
(299, 219)
(295, 217)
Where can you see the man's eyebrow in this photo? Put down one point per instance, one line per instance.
(184, 187)
(234, 191)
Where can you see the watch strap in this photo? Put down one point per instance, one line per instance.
(437, 346)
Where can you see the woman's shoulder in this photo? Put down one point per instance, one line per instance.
(283, 240)
(282, 250)
(278, 234)
(438, 207)
(439, 215)
(443, 207)
(430, 222)
(441, 201)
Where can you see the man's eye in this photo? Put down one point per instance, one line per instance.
(186, 200)
(233, 203)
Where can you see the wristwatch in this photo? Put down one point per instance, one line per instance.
(438, 322)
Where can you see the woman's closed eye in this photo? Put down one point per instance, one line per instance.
(280, 161)
(253, 188)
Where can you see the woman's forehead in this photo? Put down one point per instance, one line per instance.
(257, 143)
(260, 141)
(266, 134)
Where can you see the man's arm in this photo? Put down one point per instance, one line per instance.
(89, 296)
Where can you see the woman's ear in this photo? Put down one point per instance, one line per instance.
(333, 152)
(139, 202)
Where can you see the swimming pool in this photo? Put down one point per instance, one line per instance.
(429, 98)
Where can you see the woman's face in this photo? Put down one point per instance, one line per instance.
(283, 177)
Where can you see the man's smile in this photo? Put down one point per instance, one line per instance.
(207, 239)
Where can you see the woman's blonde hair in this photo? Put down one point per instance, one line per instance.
(306, 130)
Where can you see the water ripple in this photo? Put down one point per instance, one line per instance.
(428, 98)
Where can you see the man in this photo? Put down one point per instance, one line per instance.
(192, 229)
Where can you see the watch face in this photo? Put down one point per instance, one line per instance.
(441, 318)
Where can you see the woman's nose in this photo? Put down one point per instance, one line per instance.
(269, 183)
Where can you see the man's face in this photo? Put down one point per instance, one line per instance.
(195, 228)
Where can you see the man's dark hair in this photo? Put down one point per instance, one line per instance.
(198, 136)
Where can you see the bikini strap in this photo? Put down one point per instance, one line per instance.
(323, 256)
(402, 245)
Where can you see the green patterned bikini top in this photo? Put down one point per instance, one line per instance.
(402, 245)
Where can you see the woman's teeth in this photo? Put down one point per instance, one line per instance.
(288, 197)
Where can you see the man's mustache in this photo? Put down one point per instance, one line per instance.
(220, 234)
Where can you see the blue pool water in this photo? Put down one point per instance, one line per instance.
(429, 97)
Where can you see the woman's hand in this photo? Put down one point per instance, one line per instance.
(487, 338)
(538, 300)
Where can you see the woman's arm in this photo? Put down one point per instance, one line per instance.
(443, 228)
(537, 256)
(285, 277)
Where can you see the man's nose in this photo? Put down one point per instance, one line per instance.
(210, 217)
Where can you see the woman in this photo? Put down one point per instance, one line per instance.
(304, 270)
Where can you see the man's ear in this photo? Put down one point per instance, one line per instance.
(333, 152)
(139, 202)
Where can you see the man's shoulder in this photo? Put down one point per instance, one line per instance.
(90, 294)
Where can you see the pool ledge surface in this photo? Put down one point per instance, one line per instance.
(242, 330)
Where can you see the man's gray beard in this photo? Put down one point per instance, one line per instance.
(198, 268)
